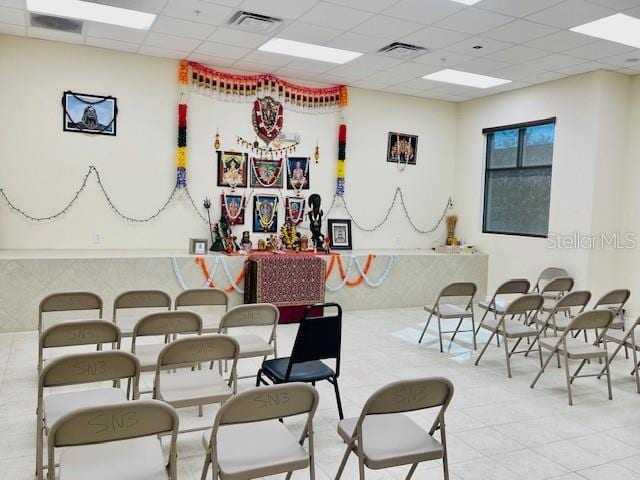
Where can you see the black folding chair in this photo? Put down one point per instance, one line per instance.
(318, 339)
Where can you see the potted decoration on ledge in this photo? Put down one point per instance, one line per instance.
(452, 220)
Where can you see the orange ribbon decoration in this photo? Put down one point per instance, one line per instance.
(205, 271)
(349, 283)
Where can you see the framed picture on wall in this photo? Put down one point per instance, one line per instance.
(298, 177)
(340, 234)
(232, 169)
(266, 173)
(265, 213)
(86, 113)
(402, 148)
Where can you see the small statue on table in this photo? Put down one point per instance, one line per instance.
(223, 240)
(315, 221)
(304, 243)
(245, 243)
(290, 236)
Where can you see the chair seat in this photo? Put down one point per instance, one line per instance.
(253, 346)
(254, 450)
(513, 328)
(276, 369)
(185, 388)
(134, 459)
(617, 336)
(561, 322)
(391, 440)
(448, 310)
(148, 355)
(576, 347)
(500, 305)
(550, 303)
(59, 404)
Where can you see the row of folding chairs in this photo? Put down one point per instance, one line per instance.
(119, 433)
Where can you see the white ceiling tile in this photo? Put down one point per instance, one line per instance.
(518, 72)
(455, 89)
(211, 60)
(17, 30)
(434, 37)
(171, 42)
(560, 41)
(370, 85)
(333, 79)
(182, 28)
(621, 60)
(220, 50)
(481, 65)
(520, 31)
(545, 77)
(617, 4)
(554, 62)
(366, 5)
(358, 42)
(252, 67)
(113, 32)
(571, 13)
(443, 58)
(55, 35)
(112, 44)
(230, 3)
(198, 11)
(413, 68)
(426, 12)
(351, 72)
(489, 45)
(433, 95)
(305, 32)
(334, 16)
(238, 38)
(14, 16)
(599, 49)
(387, 27)
(374, 61)
(150, 6)
(402, 90)
(290, 9)
(298, 73)
(388, 77)
(583, 68)
(267, 58)
(474, 21)
(161, 52)
(421, 83)
(310, 65)
(517, 54)
(517, 8)
(13, 3)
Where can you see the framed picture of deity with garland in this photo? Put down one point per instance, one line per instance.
(298, 173)
(265, 213)
(339, 234)
(86, 113)
(266, 173)
(402, 148)
(232, 169)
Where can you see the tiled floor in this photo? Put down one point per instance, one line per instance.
(498, 427)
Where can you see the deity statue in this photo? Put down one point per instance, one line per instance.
(290, 236)
(245, 243)
(223, 241)
(315, 221)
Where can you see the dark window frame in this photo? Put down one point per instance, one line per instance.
(521, 127)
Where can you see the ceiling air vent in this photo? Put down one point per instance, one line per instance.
(403, 51)
(254, 22)
(56, 23)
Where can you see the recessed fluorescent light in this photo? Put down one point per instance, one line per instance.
(466, 2)
(93, 12)
(308, 50)
(619, 28)
(465, 78)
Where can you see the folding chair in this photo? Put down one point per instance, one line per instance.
(187, 387)
(546, 276)
(318, 338)
(525, 308)
(247, 442)
(574, 348)
(555, 290)
(118, 442)
(68, 302)
(126, 304)
(77, 369)
(253, 315)
(382, 437)
(210, 303)
(615, 301)
(466, 290)
(498, 303)
(69, 334)
(626, 339)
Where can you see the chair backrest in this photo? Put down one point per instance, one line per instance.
(318, 338)
(579, 298)
(410, 395)
(168, 323)
(531, 302)
(459, 289)
(200, 297)
(87, 332)
(591, 320)
(558, 285)
(548, 274)
(203, 348)
(250, 315)
(141, 299)
(615, 298)
(514, 286)
(68, 302)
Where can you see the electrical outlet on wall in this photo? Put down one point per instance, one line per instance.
(97, 238)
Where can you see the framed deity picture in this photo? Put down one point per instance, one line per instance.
(233, 207)
(232, 169)
(266, 173)
(298, 173)
(402, 148)
(295, 209)
(265, 213)
(86, 113)
(340, 234)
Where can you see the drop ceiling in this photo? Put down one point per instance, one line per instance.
(526, 41)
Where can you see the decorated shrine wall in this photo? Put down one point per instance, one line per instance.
(129, 199)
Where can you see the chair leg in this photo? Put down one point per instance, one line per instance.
(473, 328)
(568, 377)
(440, 332)
(455, 332)
(39, 450)
(425, 327)
(338, 401)
(361, 465)
(507, 355)
(410, 473)
(205, 468)
(582, 363)
(606, 366)
(542, 368)
(343, 463)
(484, 349)
(635, 362)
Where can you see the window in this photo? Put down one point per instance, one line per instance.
(517, 185)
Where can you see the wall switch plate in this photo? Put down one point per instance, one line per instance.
(97, 238)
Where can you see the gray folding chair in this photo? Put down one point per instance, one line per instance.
(115, 442)
(382, 437)
(555, 290)
(81, 369)
(571, 348)
(209, 303)
(71, 334)
(501, 298)
(464, 290)
(248, 442)
(546, 276)
(127, 307)
(526, 308)
(68, 302)
(615, 301)
(626, 339)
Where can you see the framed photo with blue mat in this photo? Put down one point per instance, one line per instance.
(87, 113)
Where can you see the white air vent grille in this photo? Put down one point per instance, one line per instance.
(402, 50)
(254, 22)
(56, 23)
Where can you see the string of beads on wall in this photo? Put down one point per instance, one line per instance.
(176, 191)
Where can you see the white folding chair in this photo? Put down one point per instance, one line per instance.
(626, 339)
(69, 302)
(501, 298)
(209, 303)
(130, 306)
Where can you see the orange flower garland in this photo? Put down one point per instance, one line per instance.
(349, 283)
(205, 271)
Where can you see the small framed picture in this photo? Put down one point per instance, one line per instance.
(232, 169)
(298, 173)
(402, 148)
(198, 246)
(86, 113)
(340, 234)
